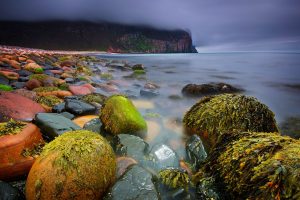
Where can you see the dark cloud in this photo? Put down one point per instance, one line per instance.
(211, 22)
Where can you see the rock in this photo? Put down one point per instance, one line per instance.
(24, 73)
(69, 80)
(138, 67)
(108, 87)
(9, 75)
(68, 115)
(53, 125)
(209, 89)
(17, 107)
(213, 116)
(206, 189)
(78, 107)
(123, 164)
(8, 192)
(26, 93)
(5, 87)
(59, 108)
(119, 115)
(81, 121)
(23, 79)
(18, 85)
(67, 64)
(148, 93)
(135, 184)
(85, 167)
(32, 84)
(93, 125)
(153, 130)
(195, 151)
(119, 66)
(151, 86)
(81, 89)
(133, 146)
(94, 98)
(33, 67)
(163, 157)
(4, 80)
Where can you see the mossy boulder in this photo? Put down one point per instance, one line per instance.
(76, 165)
(119, 115)
(214, 115)
(254, 165)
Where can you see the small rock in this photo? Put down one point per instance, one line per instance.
(32, 84)
(4, 80)
(69, 80)
(78, 107)
(53, 125)
(8, 192)
(195, 151)
(18, 85)
(151, 86)
(123, 163)
(23, 79)
(24, 73)
(17, 107)
(93, 125)
(138, 67)
(81, 89)
(59, 108)
(149, 93)
(135, 184)
(81, 121)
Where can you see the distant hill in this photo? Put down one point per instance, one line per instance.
(67, 35)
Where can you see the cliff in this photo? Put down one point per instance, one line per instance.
(66, 35)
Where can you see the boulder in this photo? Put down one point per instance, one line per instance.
(135, 184)
(76, 165)
(53, 125)
(18, 107)
(119, 115)
(78, 107)
(209, 89)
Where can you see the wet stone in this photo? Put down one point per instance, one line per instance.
(133, 146)
(53, 125)
(195, 151)
(135, 184)
(78, 107)
(68, 115)
(59, 108)
(8, 192)
(18, 85)
(206, 189)
(93, 125)
(23, 79)
(149, 93)
(4, 80)
(163, 156)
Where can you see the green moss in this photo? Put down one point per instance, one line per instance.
(38, 70)
(107, 76)
(5, 87)
(35, 151)
(64, 86)
(11, 127)
(46, 89)
(98, 98)
(257, 165)
(119, 116)
(49, 100)
(64, 58)
(214, 115)
(38, 187)
(138, 72)
(39, 77)
(174, 178)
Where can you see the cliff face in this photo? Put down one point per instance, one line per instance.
(59, 35)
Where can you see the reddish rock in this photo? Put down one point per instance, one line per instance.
(108, 87)
(17, 107)
(67, 64)
(56, 71)
(67, 69)
(9, 75)
(26, 93)
(33, 83)
(123, 163)
(81, 89)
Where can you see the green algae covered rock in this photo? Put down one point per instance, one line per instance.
(76, 165)
(257, 165)
(213, 115)
(119, 115)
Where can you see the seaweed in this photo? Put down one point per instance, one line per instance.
(49, 101)
(174, 178)
(11, 127)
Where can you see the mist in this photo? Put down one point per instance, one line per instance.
(218, 24)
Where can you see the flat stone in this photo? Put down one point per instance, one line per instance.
(135, 184)
(81, 89)
(15, 106)
(59, 108)
(53, 125)
(93, 125)
(68, 115)
(78, 107)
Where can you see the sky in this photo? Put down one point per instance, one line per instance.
(214, 24)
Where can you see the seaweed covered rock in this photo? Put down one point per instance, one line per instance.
(76, 165)
(119, 115)
(291, 127)
(213, 115)
(48, 101)
(257, 165)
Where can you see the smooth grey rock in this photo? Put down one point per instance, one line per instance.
(195, 151)
(59, 108)
(68, 115)
(53, 124)
(149, 93)
(135, 184)
(78, 107)
(93, 125)
(8, 192)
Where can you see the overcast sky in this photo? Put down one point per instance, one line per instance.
(252, 24)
